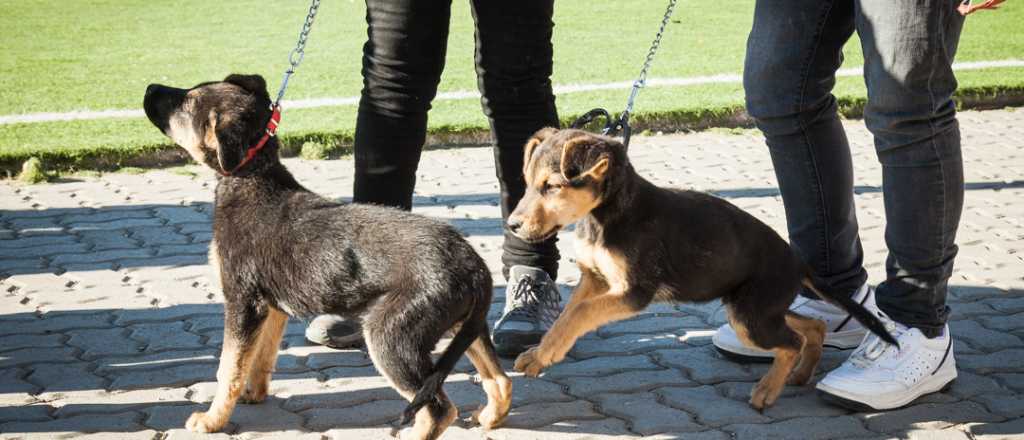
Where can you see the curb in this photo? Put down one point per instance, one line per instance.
(332, 145)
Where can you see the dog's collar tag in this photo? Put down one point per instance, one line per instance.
(271, 131)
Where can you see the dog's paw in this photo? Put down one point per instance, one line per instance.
(762, 396)
(251, 396)
(530, 363)
(488, 418)
(201, 422)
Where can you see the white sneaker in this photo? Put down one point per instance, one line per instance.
(843, 332)
(880, 376)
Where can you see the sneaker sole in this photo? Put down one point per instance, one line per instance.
(841, 398)
(512, 345)
(839, 341)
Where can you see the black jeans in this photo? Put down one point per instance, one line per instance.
(402, 63)
(793, 53)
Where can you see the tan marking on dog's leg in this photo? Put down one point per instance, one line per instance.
(770, 386)
(429, 428)
(812, 332)
(268, 344)
(235, 360)
(576, 321)
(213, 258)
(495, 383)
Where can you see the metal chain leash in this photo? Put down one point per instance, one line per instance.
(641, 80)
(299, 52)
(620, 125)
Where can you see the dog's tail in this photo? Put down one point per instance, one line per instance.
(432, 384)
(856, 310)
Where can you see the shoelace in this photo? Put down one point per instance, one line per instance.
(532, 301)
(868, 353)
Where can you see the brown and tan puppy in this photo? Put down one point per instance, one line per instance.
(637, 243)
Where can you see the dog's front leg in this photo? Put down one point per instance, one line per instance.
(236, 358)
(588, 309)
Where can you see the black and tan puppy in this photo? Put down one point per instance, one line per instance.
(282, 250)
(637, 243)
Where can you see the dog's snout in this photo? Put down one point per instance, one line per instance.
(514, 223)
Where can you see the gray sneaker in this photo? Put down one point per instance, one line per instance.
(335, 331)
(532, 304)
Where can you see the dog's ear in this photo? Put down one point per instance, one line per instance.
(535, 140)
(224, 137)
(586, 157)
(254, 84)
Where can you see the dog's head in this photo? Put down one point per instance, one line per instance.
(567, 174)
(215, 122)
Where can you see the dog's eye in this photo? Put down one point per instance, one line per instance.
(550, 188)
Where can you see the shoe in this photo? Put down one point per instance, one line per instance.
(880, 376)
(843, 332)
(335, 331)
(532, 304)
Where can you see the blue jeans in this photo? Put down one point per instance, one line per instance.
(793, 52)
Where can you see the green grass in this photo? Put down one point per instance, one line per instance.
(101, 54)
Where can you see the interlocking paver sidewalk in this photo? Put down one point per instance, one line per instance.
(110, 321)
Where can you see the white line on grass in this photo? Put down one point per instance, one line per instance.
(725, 78)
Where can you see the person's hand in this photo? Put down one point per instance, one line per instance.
(966, 7)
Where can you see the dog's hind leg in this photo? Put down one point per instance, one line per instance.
(268, 344)
(495, 383)
(401, 352)
(767, 330)
(813, 333)
(242, 330)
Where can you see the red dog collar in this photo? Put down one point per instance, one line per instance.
(275, 119)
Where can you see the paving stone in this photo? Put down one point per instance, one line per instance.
(993, 431)
(164, 335)
(710, 408)
(600, 366)
(806, 427)
(969, 385)
(1005, 361)
(71, 425)
(44, 251)
(106, 215)
(26, 413)
(543, 414)
(978, 336)
(28, 356)
(1003, 322)
(344, 387)
(651, 324)
(116, 224)
(594, 429)
(1008, 406)
(625, 344)
(114, 365)
(646, 416)
(706, 366)
(1013, 381)
(338, 358)
(928, 416)
(102, 240)
(102, 342)
(624, 382)
(182, 214)
(13, 342)
(367, 414)
(80, 402)
(12, 381)
(173, 376)
(67, 259)
(171, 313)
(65, 377)
(35, 242)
